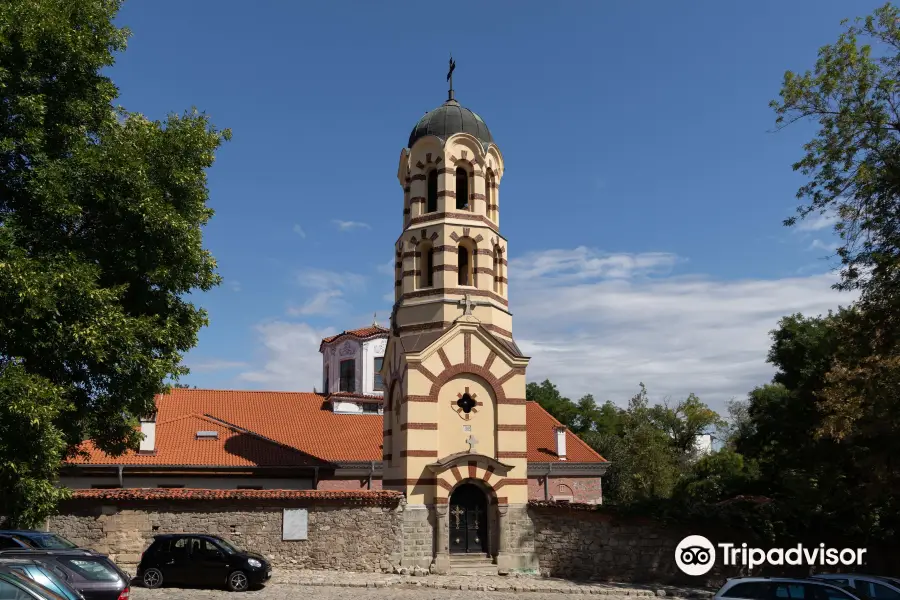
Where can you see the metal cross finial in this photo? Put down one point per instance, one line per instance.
(375, 319)
(450, 76)
(471, 441)
(467, 304)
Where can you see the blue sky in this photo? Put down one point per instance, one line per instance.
(643, 195)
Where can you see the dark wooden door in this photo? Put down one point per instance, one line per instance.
(468, 520)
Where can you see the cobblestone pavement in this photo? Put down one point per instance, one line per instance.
(332, 585)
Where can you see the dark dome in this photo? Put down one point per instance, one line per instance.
(450, 118)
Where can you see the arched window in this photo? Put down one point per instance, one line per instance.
(426, 265)
(497, 270)
(464, 264)
(432, 204)
(490, 197)
(462, 189)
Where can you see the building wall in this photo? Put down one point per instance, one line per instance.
(587, 490)
(371, 349)
(363, 352)
(204, 483)
(348, 484)
(343, 537)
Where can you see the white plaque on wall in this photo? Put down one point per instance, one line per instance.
(294, 524)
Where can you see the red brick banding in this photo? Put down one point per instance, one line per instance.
(519, 401)
(473, 469)
(419, 426)
(444, 359)
(446, 267)
(510, 374)
(505, 482)
(419, 453)
(467, 349)
(420, 399)
(445, 485)
(446, 194)
(456, 474)
(506, 454)
(492, 356)
(488, 473)
(496, 329)
(511, 428)
(454, 215)
(418, 177)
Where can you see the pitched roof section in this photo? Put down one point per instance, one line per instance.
(290, 429)
(542, 439)
(363, 333)
(368, 498)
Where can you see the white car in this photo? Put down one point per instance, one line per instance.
(783, 588)
(870, 586)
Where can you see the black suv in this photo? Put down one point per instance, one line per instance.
(198, 559)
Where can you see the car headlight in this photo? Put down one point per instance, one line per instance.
(254, 563)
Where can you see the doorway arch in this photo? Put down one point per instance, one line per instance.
(469, 520)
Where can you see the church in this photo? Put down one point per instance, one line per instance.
(432, 406)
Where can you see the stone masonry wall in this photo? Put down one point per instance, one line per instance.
(358, 538)
(417, 537)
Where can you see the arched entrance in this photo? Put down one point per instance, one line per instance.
(468, 520)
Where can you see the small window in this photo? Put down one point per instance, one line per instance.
(348, 375)
(370, 407)
(378, 383)
(425, 265)
(432, 203)
(326, 388)
(462, 189)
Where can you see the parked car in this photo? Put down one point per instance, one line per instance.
(31, 538)
(782, 588)
(17, 587)
(877, 588)
(204, 560)
(94, 575)
(43, 574)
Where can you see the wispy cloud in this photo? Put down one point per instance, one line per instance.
(386, 268)
(292, 360)
(586, 263)
(820, 245)
(605, 334)
(327, 302)
(234, 286)
(207, 366)
(299, 230)
(817, 221)
(322, 279)
(351, 225)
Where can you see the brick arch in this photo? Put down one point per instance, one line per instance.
(483, 484)
(468, 367)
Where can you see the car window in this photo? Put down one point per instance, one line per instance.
(209, 548)
(51, 541)
(826, 592)
(8, 542)
(793, 591)
(754, 590)
(10, 592)
(161, 546)
(92, 570)
(228, 547)
(180, 547)
(24, 582)
(878, 591)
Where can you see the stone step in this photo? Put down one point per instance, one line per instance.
(472, 564)
(470, 558)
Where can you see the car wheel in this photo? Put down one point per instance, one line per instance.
(238, 582)
(152, 578)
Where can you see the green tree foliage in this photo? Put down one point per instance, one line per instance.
(101, 213)
(853, 170)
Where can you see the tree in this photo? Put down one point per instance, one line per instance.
(853, 166)
(101, 213)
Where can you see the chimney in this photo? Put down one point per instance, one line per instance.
(561, 442)
(148, 428)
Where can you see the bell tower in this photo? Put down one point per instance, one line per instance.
(454, 419)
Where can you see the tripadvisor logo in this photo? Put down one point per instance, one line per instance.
(695, 555)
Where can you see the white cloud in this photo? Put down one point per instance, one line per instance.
(602, 334)
(292, 361)
(585, 263)
(321, 279)
(299, 230)
(327, 302)
(817, 221)
(351, 225)
(206, 366)
(820, 245)
(386, 268)
(234, 285)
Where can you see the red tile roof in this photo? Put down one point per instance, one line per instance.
(370, 498)
(289, 429)
(361, 333)
(542, 439)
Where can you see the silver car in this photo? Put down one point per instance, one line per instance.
(783, 588)
(869, 586)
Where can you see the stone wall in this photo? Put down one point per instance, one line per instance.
(351, 531)
(417, 526)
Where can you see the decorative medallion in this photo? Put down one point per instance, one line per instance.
(466, 404)
(347, 349)
(380, 346)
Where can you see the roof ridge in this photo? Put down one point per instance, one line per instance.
(240, 391)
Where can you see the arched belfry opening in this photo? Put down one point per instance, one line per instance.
(468, 520)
